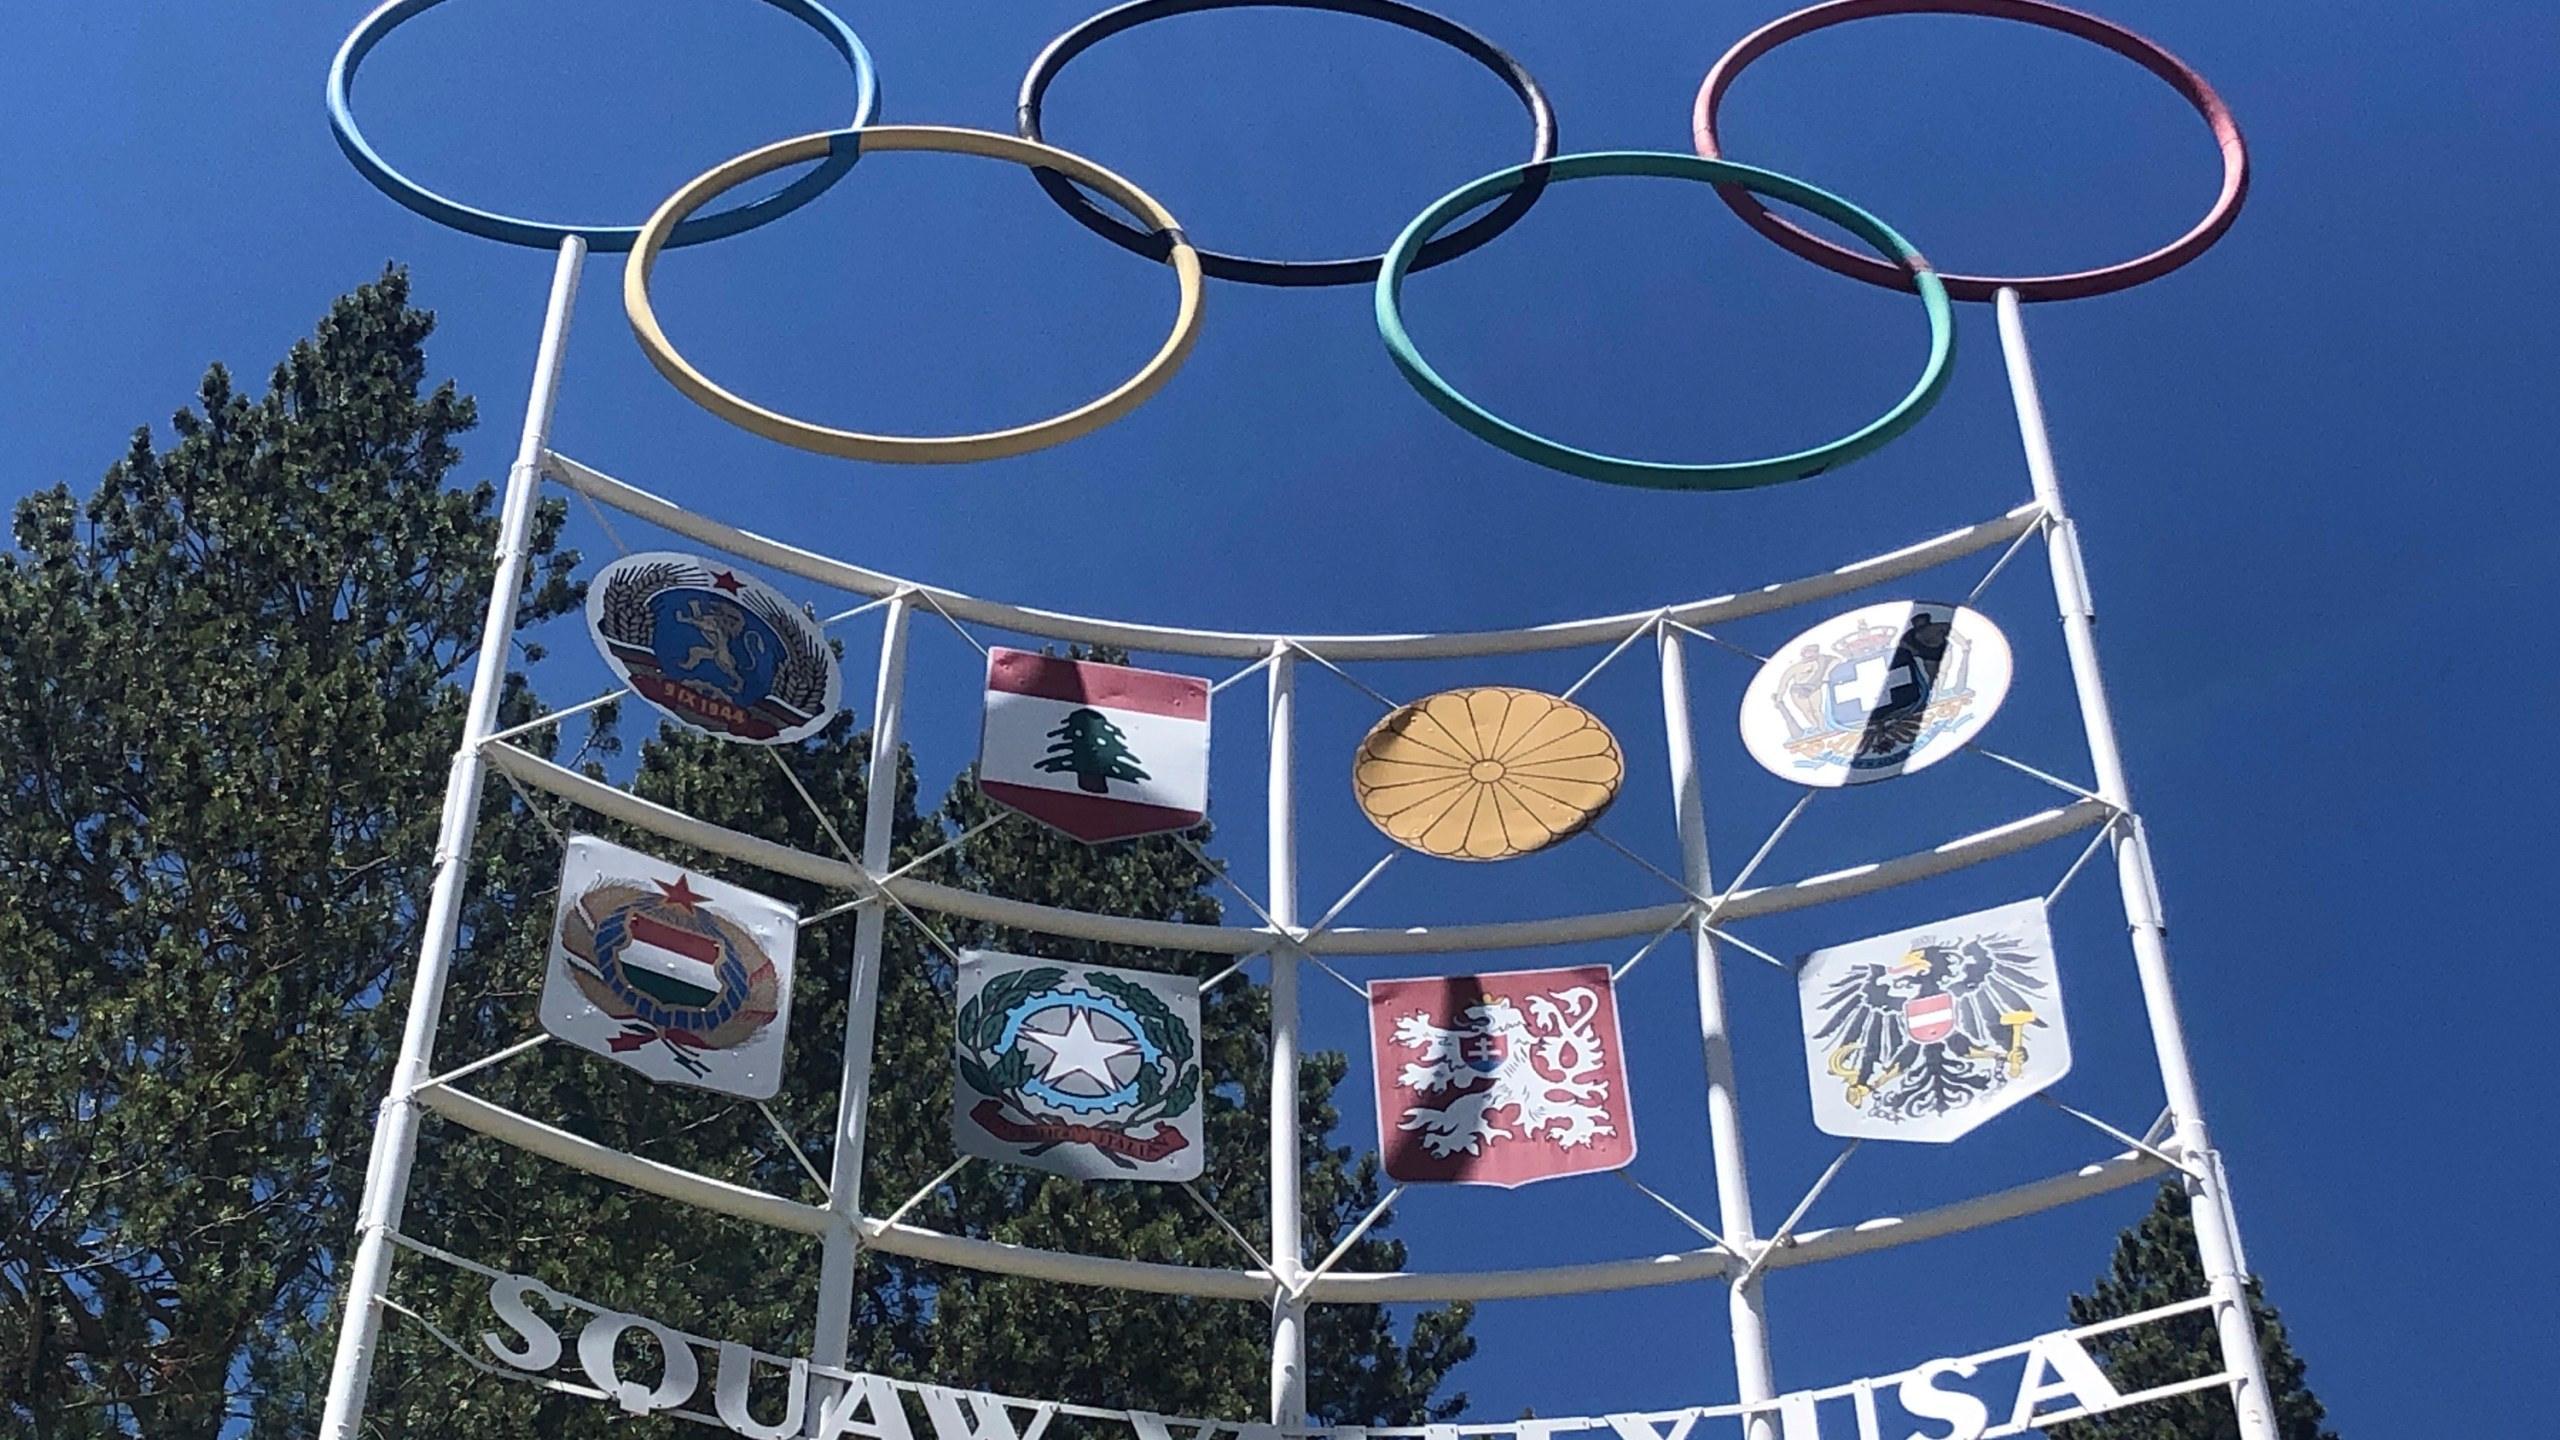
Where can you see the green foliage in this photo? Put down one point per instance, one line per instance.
(229, 687)
(226, 702)
(2156, 1264)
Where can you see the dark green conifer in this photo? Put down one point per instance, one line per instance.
(2156, 1264)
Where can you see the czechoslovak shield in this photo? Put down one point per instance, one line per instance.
(1079, 1070)
(1926, 1033)
(679, 976)
(1500, 1079)
(1102, 752)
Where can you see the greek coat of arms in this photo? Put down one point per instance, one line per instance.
(1882, 691)
(1500, 1079)
(681, 977)
(1080, 1070)
(1924, 1034)
(716, 649)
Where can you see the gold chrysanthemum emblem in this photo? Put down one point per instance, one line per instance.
(1487, 773)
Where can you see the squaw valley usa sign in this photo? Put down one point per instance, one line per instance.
(541, 1336)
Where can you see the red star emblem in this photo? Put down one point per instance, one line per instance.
(681, 894)
(725, 581)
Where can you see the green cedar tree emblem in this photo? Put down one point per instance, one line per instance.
(1093, 749)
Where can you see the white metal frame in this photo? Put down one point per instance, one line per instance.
(1283, 1279)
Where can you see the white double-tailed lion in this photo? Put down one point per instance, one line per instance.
(1539, 1078)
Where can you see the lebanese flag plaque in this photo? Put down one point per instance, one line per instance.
(1102, 752)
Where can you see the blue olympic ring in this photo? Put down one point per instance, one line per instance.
(606, 238)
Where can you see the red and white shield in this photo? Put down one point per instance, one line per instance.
(1102, 752)
(1500, 1079)
(1930, 1017)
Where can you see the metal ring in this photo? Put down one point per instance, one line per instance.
(608, 238)
(2189, 84)
(935, 449)
(1035, 87)
(1652, 474)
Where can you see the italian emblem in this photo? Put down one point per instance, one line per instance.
(1881, 691)
(1925, 1034)
(1102, 752)
(1500, 1079)
(679, 976)
(1078, 1069)
(720, 651)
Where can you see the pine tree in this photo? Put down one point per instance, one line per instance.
(229, 690)
(1093, 749)
(2156, 1264)
(227, 699)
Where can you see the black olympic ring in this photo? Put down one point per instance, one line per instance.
(1247, 269)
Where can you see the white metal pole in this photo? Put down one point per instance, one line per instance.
(841, 1247)
(1288, 1315)
(1755, 1380)
(395, 1138)
(2217, 1231)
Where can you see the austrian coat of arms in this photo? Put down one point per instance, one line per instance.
(1080, 1070)
(1924, 1034)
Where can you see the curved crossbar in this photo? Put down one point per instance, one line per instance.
(595, 795)
(1250, 645)
(1209, 1282)
(1886, 1231)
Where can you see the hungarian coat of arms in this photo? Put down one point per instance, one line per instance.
(679, 976)
(1500, 1079)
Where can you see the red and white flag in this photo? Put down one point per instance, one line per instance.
(1500, 1079)
(1102, 752)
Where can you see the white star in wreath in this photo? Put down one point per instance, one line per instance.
(1076, 1050)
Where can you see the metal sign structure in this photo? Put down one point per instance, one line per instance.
(1123, 1048)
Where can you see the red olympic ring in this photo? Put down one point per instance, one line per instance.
(2189, 84)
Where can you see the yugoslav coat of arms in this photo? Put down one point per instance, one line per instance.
(1500, 1079)
(679, 976)
(1878, 692)
(719, 650)
(1925, 1034)
(1081, 1070)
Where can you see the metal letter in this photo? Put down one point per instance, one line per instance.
(541, 1343)
(1921, 1396)
(595, 1356)
(729, 1395)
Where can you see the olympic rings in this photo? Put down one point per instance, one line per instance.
(608, 238)
(2189, 84)
(1734, 475)
(1068, 46)
(940, 449)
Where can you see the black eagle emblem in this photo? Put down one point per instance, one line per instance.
(1935, 1030)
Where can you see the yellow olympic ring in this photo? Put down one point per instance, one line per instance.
(910, 449)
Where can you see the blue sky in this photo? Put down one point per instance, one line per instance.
(2308, 470)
